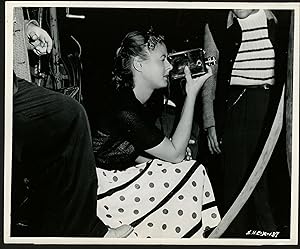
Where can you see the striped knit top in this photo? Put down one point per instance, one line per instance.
(254, 64)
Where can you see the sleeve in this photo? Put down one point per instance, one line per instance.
(209, 87)
(142, 134)
(20, 53)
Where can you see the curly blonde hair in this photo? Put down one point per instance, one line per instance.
(134, 44)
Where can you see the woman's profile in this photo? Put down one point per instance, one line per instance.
(144, 179)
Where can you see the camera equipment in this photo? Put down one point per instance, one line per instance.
(193, 58)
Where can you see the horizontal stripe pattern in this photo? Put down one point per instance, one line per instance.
(254, 68)
(255, 39)
(250, 51)
(253, 78)
(255, 60)
(254, 29)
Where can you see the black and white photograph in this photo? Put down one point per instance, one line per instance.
(161, 123)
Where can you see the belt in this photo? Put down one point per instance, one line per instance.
(264, 86)
(244, 88)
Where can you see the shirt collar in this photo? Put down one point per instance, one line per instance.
(231, 17)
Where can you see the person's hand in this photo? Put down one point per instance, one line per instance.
(39, 39)
(188, 153)
(122, 231)
(213, 144)
(194, 85)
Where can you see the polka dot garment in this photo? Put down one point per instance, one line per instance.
(159, 199)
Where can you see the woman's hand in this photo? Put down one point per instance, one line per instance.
(193, 85)
(175, 150)
(188, 153)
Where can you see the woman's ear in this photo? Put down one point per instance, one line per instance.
(137, 63)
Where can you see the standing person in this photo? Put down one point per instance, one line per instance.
(239, 104)
(54, 183)
(27, 35)
(165, 197)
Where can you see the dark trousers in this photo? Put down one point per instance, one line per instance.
(243, 128)
(54, 182)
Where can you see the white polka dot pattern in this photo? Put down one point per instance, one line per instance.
(176, 217)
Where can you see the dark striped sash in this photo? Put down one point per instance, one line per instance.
(198, 226)
(208, 205)
(170, 195)
(195, 229)
(125, 185)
